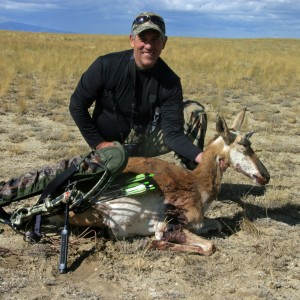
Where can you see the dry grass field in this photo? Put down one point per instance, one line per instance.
(257, 253)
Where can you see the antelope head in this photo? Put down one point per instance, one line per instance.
(238, 152)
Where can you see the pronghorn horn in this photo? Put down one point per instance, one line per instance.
(249, 134)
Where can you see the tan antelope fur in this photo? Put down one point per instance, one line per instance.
(174, 212)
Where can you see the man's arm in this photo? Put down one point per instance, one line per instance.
(88, 89)
(172, 126)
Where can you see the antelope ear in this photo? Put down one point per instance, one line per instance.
(222, 129)
(239, 119)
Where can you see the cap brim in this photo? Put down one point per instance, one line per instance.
(147, 26)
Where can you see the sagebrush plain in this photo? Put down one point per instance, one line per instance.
(257, 253)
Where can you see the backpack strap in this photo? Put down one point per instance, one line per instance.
(153, 102)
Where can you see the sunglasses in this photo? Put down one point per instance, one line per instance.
(154, 19)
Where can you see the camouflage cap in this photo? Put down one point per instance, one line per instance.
(148, 20)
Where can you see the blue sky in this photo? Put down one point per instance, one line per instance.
(198, 18)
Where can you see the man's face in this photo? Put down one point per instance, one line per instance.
(147, 47)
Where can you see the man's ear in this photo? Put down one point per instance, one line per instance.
(131, 37)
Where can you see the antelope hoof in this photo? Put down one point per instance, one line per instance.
(164, 245)
(210, 225)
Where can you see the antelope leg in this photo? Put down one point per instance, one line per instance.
(184, 241)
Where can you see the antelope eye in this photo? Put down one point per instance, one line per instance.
(245, 143)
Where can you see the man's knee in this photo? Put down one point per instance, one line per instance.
(195, 122)
(194, 115)
(192, 110)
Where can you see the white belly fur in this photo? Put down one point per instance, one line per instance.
(135, 216)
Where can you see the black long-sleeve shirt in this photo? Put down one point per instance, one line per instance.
(108, 82)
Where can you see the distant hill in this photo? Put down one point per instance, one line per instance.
(15, 26)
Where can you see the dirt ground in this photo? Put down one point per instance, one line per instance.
(257, 254)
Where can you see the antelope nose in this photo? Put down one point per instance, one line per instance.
(266, 175)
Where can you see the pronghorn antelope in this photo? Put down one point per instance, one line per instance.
(174, 212)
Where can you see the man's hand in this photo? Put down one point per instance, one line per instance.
(199, 158)
(104, 144)
(113, 156)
